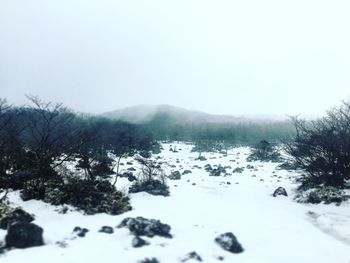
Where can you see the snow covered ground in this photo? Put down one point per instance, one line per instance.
(199, 208)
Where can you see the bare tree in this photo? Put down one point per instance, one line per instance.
(322, 148)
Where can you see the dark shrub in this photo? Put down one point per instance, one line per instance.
(98, 196)
(152, 186)
(264, 151)
(327, 195)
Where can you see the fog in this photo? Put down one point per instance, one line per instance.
(221, 57)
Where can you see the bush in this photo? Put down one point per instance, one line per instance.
(327, 195)
(264, 151)
(322, 148)
(153, 186)
(98, 196)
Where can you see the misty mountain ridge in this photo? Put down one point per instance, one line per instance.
(146, 113)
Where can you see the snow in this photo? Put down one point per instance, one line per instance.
(271, 230)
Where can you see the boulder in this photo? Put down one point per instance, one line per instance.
(106, 229)
(175, 175)
(280, 191)
(208, 167)
(17, 215)
(149, 260)
(229, 242)
(140, 226)
(24, 235)
(186, 172)
(138, 242)
(218, 171)
(192, 256)
(80, 232)
(238, 170)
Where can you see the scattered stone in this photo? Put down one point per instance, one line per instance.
(131, 169)
(249, 166)
(149, 260)
(15, 216)
(138, 242)
(193, 183)
(80, 232)
(238, 170)
(229, 242)
(106, 229)
(280, 191)
(24, 235)
(192, 255)
(218, 171)
(208, 167)
(186, 172)
(129, 163)
(140, 226)
(175, 175)
(228, 183)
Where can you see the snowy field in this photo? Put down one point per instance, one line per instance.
(199, 208)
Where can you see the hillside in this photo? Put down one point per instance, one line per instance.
(147, 113)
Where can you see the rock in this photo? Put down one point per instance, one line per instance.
(80, 232)
(175, 175)
(238, 170)
(129, 175)
(131, 169)
(192, 255)
(218, 171)
(208, 167)
(186, 172)
(280, 191)
(106, 229)
(24, 235)
(17, 215)
(249, 166)
(129, 163)
(149, 260)
(140, 226)
(139, 242)
(229, 242)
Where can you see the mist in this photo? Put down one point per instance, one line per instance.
(241, 57)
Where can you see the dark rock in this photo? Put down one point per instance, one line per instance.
(201, 158)
(149, 260)
(131, 169)
(229, 242)
(106, 229)
(186, 172)
(129, 163)
(238, 170)
(140, 226)
(280, 191)
(249, 166)
(24, 235)
(175, 175)
(17, 215)
(192, 255)
(208, 167)
(80, 232)
(218, 171)
(139, 242)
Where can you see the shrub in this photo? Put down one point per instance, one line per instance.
(264, 151)
(327, 195)
(322, 148)
(98, 196)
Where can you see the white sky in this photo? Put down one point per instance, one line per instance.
(228, 57)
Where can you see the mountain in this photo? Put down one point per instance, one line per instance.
(147, 113)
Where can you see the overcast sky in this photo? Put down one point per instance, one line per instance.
(228, 57)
